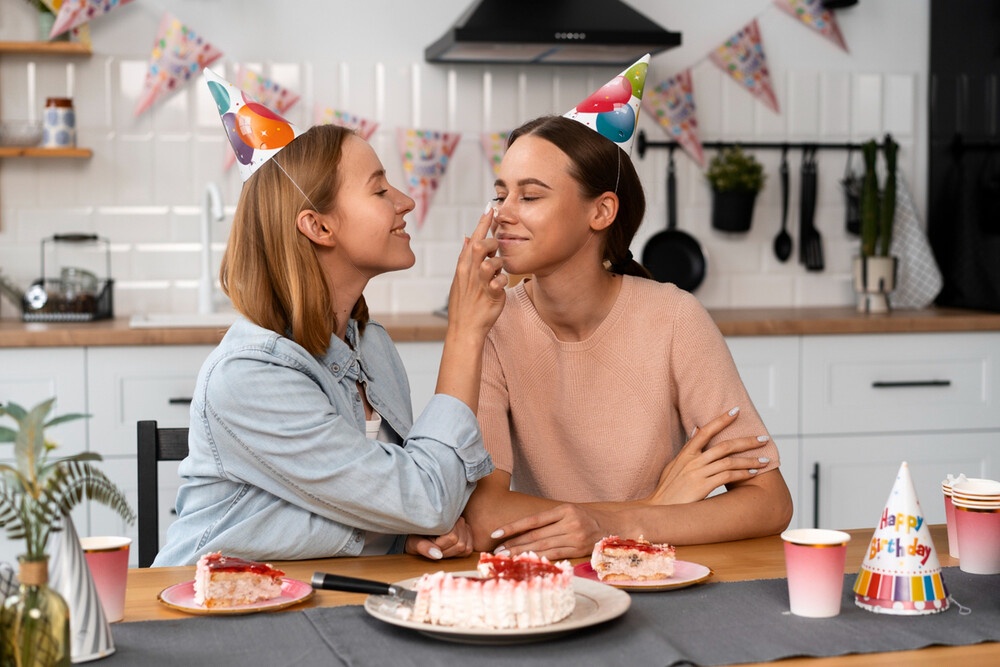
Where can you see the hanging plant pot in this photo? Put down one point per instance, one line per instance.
(732, 210)
(874, 279)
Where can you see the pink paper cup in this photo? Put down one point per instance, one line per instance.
(814, 561)
(978, 539)
(107, 558)
(949, 513)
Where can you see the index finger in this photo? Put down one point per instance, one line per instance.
(483, 227)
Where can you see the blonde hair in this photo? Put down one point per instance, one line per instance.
(270, 270)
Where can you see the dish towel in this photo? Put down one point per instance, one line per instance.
(918, 279)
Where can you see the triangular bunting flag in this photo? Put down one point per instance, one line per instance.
(672, 105)
(179, 54)
(812, 14)
(742, 57)
(73, 13)
(901, 573)
(80, 33)
(425, 155)
(262, 90)
(494, 146)
(364, 127)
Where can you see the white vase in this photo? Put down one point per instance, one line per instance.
(874, 279)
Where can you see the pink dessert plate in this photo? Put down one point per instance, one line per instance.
(685, 574)
(181, 597)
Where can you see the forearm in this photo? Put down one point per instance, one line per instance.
(490, 508)
(743, 512)
(461, 365)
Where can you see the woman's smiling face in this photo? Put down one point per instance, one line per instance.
(544, 220)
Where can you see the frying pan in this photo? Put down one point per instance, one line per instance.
(673, 256)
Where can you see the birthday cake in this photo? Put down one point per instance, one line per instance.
(525, 591)
(223, 581)
(621, 559)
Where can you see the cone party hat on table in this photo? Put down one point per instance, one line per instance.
(255, 132)
(613, 110)
(69, 575)
(901, 573)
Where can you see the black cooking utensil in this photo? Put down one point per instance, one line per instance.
(810, 241)
(673, 256)
(338, 582)
(783, 241)
(851, 185)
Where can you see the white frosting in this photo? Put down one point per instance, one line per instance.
(443, 599)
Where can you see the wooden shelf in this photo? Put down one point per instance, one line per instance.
(46, 48)
(35, 151)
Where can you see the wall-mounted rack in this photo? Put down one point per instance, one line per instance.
(643, 144)
(959, 145)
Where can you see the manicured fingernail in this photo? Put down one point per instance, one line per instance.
(489, 207)
(435, 553)
(497, 534)
(752, 471)
(734, 411)
(501, 551)
(763, 438)
(693, 431)
(763, 459)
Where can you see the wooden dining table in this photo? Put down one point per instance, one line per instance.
(760, 558)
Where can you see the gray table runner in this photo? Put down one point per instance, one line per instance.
(710, 624)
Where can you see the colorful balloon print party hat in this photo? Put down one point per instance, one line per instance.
(901, 573)
(255, 132)
(613, 110)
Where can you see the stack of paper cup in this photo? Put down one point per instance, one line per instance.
(949, 512)
(977, 524)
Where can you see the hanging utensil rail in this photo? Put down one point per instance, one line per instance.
(642, 144)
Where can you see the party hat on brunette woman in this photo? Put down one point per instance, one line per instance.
(255, 132)
(613, 110)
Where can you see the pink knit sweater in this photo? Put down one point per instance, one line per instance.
(598, 420)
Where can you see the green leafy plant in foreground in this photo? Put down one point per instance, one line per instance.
(36, 491)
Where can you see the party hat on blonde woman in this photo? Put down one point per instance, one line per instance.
(901, 573)
(613, 109)
(255, 132)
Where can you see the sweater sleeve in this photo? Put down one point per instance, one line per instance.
(707, 382)
(494, 405)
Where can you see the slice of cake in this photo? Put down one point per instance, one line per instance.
(223, 581)
(621, 559)
(525, 591)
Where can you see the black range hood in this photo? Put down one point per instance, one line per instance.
(551, 32)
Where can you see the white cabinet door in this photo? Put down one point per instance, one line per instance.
(769, 368)
(29, 376)
(855, 474)
(129, 384)
(900, 383)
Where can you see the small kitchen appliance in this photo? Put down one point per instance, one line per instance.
(75, 294)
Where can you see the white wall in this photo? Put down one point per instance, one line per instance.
(143, 186)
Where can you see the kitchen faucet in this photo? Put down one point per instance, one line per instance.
(211, 211)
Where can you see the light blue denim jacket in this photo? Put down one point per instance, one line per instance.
(279, 465)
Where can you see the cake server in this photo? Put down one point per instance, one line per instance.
(338, 582)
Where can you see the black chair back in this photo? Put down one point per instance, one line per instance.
(154, 445)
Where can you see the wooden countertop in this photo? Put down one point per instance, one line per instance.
(417, 327)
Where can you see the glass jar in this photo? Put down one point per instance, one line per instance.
(34, 621)
(59, 123)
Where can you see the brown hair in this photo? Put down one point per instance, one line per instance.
(599, 166)
(270, 270)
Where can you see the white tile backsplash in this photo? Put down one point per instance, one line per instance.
(144, 185)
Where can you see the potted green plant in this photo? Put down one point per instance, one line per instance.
(736, 178)
(874, 268)
(36, 492)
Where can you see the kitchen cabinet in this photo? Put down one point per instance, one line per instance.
(30, 376)
(871, 402)
(63, 49)
(127, 384)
